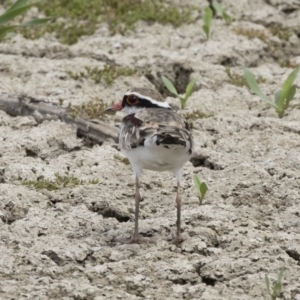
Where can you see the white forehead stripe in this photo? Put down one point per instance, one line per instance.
(161, 104)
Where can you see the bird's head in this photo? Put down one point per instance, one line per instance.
(139, 98)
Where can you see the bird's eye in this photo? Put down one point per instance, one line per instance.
(132, 100)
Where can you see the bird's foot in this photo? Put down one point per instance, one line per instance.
(177, 239)
(137, 240)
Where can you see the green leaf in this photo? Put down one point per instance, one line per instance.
(182, 102)
(276, 289)
(280, 275)
(4, 30)
(277, 97)
(290, 95)
(169, 85)
(217, 6)
(6, 36)
(207, 16)
(268, 284)
(189, 89)
(203, 189)
(206, 30)
(35, 22)
(9, 35)
(197, 183)
(278, 285)
(221, 12)
(18, 4)
(287, 85)
(11, 14)
(228, 19)
(252, 83)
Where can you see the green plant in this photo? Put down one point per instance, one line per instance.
(58, 183)
(276, 289)
(188, 91)
(282, 97)
(17, 9)
(207, 19)
(201, 188)
(221, 12)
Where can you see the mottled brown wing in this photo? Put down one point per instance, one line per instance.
(168, 126)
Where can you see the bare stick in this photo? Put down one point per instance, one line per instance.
(26, 106)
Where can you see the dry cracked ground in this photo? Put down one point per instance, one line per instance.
(64, 243)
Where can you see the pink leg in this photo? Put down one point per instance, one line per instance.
(178, 238)
(136, 238)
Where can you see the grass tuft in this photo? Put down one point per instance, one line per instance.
(252, 33)
(282, 33)
(80, 17)
(122, 159)
(197, 114)
(58, 183)
(109, 73)
(90, 110)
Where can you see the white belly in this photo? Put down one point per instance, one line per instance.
(158, 158)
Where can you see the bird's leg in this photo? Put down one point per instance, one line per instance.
(178, 238)
(135, 237)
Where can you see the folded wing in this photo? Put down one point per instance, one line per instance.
(167, 127)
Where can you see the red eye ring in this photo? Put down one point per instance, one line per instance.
(132, 100)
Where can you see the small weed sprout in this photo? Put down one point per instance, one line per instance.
(207, 20)
(17, 9)
(282, 98)
(221, 12)
(188, 91)
(201, 188)
(276, 289)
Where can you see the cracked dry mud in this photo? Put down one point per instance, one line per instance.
(63, 244)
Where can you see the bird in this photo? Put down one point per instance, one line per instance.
(153, 137)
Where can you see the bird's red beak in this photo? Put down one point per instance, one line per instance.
(114, 107)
